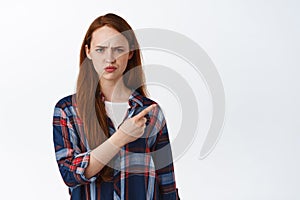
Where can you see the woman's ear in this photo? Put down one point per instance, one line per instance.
(131, 52)
(130, 55)
(87, 52)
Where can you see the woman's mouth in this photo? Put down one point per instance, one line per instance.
(110, 69)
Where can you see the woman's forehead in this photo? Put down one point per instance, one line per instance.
(106, 36)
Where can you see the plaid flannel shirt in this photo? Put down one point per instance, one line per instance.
(150, 153)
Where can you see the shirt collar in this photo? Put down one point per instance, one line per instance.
(135, 99)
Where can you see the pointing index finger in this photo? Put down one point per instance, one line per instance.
(145, 111)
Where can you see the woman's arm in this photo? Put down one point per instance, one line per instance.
(162, 156)
(164, 161)
(101, 155)
(130, 130)
(70, 157)
(78, 167)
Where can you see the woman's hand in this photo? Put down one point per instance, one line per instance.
(132, 128)
(129, 131)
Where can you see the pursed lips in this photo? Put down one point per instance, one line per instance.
(110, 68)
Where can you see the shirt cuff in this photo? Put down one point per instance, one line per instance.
(81, 169)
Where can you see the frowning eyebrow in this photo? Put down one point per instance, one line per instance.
(100, 46)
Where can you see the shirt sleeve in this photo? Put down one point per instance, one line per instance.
(163, 161)
(71, 161)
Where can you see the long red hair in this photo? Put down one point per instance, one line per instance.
(90, 105)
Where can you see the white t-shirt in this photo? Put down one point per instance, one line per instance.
(116, 111)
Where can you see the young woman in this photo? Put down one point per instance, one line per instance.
(111, 141)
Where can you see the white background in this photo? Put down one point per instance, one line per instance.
(254, 45)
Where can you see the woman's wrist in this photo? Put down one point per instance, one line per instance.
(118, 139)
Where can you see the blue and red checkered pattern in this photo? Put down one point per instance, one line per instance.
(138, 173)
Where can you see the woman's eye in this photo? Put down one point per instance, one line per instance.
(100, 50)
(120, 50)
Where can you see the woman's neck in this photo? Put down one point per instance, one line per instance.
(115, 92)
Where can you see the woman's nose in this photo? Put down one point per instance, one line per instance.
(109, 57)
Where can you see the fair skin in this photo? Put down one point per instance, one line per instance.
(110, 49)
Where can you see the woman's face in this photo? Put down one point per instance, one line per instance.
(109, 52)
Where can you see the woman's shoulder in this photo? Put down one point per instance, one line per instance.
(65, 102)
(141, 99)
(145, 101)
